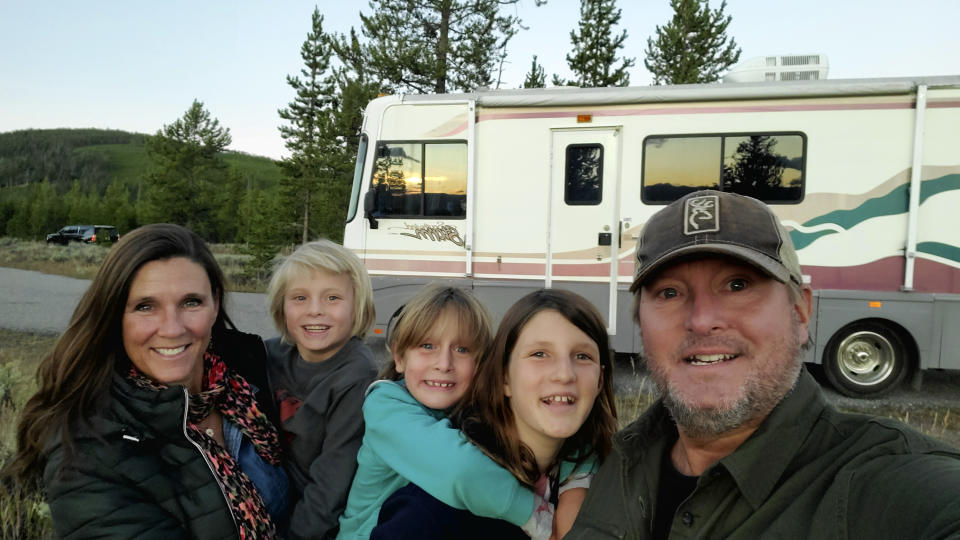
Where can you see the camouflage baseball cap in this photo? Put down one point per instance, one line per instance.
(717, 222)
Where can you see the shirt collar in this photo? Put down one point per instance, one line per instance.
(759, 463)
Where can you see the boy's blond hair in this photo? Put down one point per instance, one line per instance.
(422, 311)
(326, 256)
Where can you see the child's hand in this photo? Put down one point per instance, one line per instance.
(568, 506)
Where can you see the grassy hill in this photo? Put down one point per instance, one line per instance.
(96, 157)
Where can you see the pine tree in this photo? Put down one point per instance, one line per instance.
(439, 46)
(83, 207)
(116, 200)
(189, 172)
(594, 59)
(308, 174)
(693, 47)
(355, 85)
(536, 77)
(259, 230)
(47, 212)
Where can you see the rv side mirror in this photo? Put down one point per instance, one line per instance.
(370, 207)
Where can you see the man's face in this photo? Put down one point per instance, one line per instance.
(722, 340)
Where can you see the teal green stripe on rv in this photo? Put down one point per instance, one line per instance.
(929, 188)
(945, 251)
(802, 240)
(890, 204)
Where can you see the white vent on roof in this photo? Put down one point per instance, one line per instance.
(788, 67)
(799, 60)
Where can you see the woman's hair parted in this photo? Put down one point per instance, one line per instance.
(422, 311)
(78, 371)
(322, 256)
(485, 414)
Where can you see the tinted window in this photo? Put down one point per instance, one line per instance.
(421, 179)
(357, 178)
(767, 166)
(583, 174)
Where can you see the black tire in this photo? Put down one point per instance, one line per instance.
(865, 359)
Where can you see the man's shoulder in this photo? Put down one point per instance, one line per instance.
(898, 438)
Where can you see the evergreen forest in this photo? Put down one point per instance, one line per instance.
(183, 173)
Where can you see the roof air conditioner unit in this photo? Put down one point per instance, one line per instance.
(787, 67)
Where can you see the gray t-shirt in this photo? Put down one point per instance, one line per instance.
(320, 409)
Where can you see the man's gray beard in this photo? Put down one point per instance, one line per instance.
(758, 396)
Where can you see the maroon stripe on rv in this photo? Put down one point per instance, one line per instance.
(708, 110)
(454, 131)
(942, 104)
(886, 275)
(446, 267)
(700, 110)
(454, 267)
(491, 268)
(519, 269)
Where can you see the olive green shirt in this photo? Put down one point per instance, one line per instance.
(809, 471)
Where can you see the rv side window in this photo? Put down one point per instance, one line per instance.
(416, 179)
(766, 166)
(583, 181)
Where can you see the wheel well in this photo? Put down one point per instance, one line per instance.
(910, 344)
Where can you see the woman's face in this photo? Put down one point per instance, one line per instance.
(167, 321)
(553, 379)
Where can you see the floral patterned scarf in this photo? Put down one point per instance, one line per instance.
(232, 396)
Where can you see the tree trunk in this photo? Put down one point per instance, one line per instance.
(306, 217)
(442, 45)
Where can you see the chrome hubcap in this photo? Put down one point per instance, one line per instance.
(866, 358)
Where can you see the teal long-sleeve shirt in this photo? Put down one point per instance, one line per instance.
(406, 442)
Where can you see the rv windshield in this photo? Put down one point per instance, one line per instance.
(357, 178)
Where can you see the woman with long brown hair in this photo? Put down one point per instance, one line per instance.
(152, 416)
(541, 405)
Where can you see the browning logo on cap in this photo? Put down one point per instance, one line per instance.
(701, 214)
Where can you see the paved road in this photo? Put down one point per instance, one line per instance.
(37, 302)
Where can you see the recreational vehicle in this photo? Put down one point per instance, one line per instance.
(508, 191)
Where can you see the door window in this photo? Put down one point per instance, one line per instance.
(583, 174)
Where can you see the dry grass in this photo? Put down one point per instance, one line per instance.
(72, 260)
(83, 260)
(23, 513)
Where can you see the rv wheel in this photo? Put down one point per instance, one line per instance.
(865, 359)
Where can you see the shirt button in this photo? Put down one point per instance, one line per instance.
(687, 519)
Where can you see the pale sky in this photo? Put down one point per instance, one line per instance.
(137, 65)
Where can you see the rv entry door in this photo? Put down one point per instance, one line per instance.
(583, 222)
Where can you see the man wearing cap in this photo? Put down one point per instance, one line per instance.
(742, 443)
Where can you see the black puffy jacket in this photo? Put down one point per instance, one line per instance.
(133, 472)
